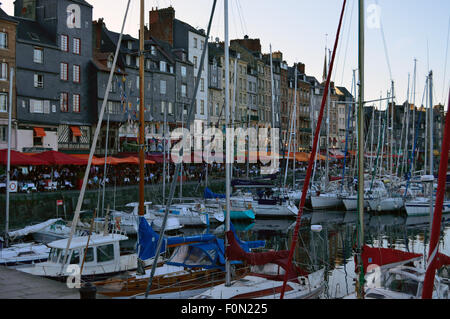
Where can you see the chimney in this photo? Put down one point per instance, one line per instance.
(301, 68)
(97, 33)
(161, 24)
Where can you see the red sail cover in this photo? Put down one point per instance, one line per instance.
(235, 252)
(383, 256)
(442, 260)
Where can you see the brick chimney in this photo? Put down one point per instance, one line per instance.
(161, 24)
(301, 68)
(97, 27)
(253, 45)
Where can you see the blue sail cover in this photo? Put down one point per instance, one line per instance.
(148, 240)
(209, 194)
(209, 255)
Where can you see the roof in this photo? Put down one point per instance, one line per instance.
(6, 17)
(80, 242)
(31, 31)
(188, 27)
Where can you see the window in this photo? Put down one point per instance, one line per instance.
(4, 71)
(137, 62)
(153, 50)
(64, 72)
(195, 62)
(163, 107)
(36, 106)
(202, 85)
(76, 73)
(202, 45)
(105, 253)
(64, 43)
(89, 255)
(3, 102)
(38, 81)
(3, 40)
(183, 90)
(110, 61)
(195, 43)
(75, 258)
(202, 107)
(163, 66)
(76, 46)
(76, 103)
(162, 87)
(38, 56)
(64, 102)
(128, 58)
(3, 134)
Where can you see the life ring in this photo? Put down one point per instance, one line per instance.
(12, 187)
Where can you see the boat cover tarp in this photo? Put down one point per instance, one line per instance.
(209, 194)
(148, 241)
(32, 229)
(236, 252)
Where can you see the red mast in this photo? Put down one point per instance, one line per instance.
(312, 158)
(433, 255)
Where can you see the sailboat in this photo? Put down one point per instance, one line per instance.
(196, 264)
(385, 273)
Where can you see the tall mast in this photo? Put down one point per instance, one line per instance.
(94, 142)
(273, 90)
(414, 118)
(8, 165)
(360, 291)
(431, 118)
(392, 148)
(293, 114)
(228, 142)
(141, 113)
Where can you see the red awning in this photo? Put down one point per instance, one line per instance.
(76, 131)
(18, 159)
(57, 158)
(39, 132)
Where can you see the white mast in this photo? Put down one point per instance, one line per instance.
(294, 115)
(8, 165)
(94, 142)
(228, 139)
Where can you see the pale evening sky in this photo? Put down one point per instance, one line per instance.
(412, 29)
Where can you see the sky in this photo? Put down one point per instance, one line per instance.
(397, 32)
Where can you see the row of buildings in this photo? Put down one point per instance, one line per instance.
(63, 60)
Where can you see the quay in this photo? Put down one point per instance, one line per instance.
(18, 285)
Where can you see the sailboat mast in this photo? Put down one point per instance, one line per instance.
(414, 116)
(141, 112)
(431, 118)
(293, 115)
(361, 145)
(228, 142)
(8, 164)
(392, 148)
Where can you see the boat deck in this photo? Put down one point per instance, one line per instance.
(18, 285)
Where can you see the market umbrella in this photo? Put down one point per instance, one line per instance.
(57, 158)
(18, 158)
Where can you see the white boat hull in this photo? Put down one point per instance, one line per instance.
(324, 202)
(386, 204)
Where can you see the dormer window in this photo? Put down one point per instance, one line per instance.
(110, 61)
(163, 66)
